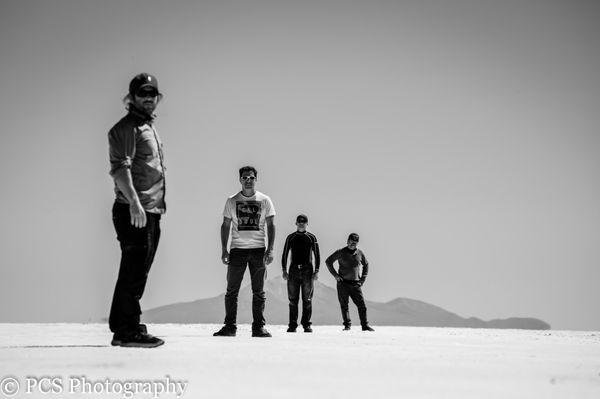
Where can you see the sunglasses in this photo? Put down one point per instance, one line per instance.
(147, 93)
(246, 178)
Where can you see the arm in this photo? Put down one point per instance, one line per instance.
(329, 262)
(271, 236)
(286, 250)
(225, 226)
(124, 182)
(365, 268)
(317, 254)
(121, 150)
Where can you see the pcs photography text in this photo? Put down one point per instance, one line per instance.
(11, 386)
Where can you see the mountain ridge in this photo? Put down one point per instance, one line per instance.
(396, 312)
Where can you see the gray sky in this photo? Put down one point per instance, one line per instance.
(459, 138)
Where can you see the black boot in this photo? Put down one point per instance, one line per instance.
(261, 332)
(226, 331)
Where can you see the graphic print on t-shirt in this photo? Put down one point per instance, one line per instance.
(248, 215)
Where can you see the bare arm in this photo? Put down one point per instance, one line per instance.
(271, 237)
(124, 183)
(225, 227)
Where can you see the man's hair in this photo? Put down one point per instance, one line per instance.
(248, 169)
(128, 100)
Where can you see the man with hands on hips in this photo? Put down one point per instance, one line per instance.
(350, 279)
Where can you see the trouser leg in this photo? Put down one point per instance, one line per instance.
(258, 274)
(343, 295)
(235, 275)
(359, 300)
(293, 286)
(138, 247)
(307, 294)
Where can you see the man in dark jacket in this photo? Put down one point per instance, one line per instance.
(136, 166)
(350, 279)
(302, 272)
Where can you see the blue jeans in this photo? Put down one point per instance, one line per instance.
(238, 260)
(138, 247)
(300, 280)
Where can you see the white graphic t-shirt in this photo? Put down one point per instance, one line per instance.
(248, 216)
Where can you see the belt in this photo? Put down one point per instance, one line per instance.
(301, 266)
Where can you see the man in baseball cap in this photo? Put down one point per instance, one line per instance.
(302, 273)
(350, 279)
(137, 168)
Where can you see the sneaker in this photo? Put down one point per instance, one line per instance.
(308, 329)
(226, 331)
(142, 328)
(291, 329)
(137, 340)
(346, 328)
(367, 328)
(262, 333)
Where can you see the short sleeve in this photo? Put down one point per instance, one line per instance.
(228, 210)
(121, 148)
(270, 209)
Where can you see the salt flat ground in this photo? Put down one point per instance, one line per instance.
(392, 362)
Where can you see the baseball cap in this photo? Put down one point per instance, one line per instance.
(302, 218)
(142, 80)
(353, 237)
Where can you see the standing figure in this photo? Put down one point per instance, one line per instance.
(245, 215)
(137, 168)
(350, 280)
(301, 275)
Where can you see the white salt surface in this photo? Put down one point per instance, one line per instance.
(392, 362)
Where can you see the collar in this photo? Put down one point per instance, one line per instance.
(244, 196)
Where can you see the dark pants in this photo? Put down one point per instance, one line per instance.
(351, 289)
(238, 260)
(138, 247)
(300, 279)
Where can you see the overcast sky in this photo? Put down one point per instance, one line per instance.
(459, 138)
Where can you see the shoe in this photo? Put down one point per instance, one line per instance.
(137, 340)
(261, 333)
(117, 338)
(226, 331)
(367, 328)
(346, 328)
(308, 329)
(291, 329)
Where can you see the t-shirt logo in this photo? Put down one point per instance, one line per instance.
(248, 215)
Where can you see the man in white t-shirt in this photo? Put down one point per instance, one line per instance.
(246, 214)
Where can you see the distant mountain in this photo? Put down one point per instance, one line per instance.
(326, 311)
